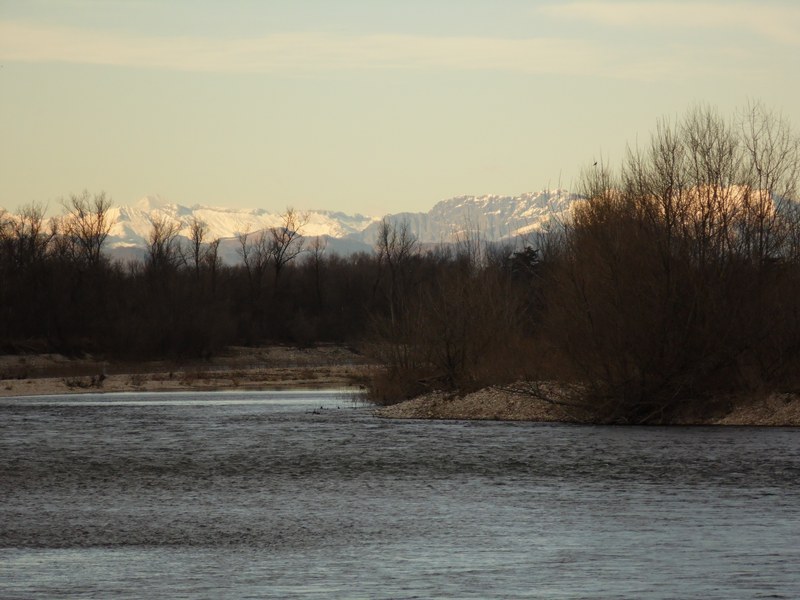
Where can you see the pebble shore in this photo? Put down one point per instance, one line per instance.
(774, 410)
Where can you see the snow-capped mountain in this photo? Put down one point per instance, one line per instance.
(132, 224)
(491, 217)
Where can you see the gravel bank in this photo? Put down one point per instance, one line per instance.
(775, 410)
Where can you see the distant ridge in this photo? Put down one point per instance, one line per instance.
(492, 217)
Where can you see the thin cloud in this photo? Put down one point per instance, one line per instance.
(778, 23)
(299, 52)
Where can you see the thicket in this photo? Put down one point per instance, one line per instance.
(678, 278)
(459, 317)
(675, 280)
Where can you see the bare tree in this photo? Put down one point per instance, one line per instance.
(244, 249)
(286, 241)
(395, 245)
(25, 237)
(471, 248)
(317, 258)
(5, 225)
(770, 180)
(254, 251)
(163, 252)
(674, 276)
(197, 249)
(212, 262)
(86, 225)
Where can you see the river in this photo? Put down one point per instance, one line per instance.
(307, 495)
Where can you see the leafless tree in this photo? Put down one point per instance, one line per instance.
(197, 248)
(770, 179)
(163, 252)
(5, 225)
(286, 241)
(317, 260)
(395, 245)
(674, 275)
(212, 262)
(254, 251)
(25, 238)
(86, 225)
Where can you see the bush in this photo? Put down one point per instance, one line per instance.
(678, 278)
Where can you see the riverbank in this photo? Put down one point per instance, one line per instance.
(774, 410)
(331, 366)
(263, 368)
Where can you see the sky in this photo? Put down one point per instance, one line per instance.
(362, 106)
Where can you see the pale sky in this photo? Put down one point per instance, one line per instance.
(366, 106)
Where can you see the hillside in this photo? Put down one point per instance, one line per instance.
(492, 217)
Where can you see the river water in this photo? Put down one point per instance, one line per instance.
(307, 495)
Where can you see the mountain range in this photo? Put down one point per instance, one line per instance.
(491, 217)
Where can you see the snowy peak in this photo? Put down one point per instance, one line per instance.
(150, 203)
(490, 217)
(132, 224)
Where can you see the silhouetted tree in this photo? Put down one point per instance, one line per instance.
(86, 225)
(286, 241)
(163, 248)
(669, 276)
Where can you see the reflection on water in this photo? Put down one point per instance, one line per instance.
(278, 494)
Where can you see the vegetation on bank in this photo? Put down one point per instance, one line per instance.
(675, 282)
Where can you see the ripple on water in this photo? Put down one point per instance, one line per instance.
(291, 496)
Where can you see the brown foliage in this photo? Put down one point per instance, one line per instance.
(678, 278)
(456, 325)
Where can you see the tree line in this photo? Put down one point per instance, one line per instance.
(61, 293)
(675, 280)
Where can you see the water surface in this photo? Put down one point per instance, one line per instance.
(290, 495)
